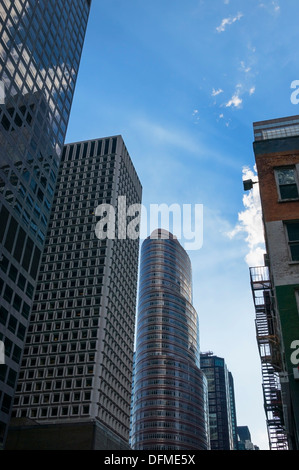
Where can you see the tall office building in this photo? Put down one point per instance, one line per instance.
(275, 286)
(233, 409)
(40, 48)
(221, 417)
(244, 439)
(169, 409)
(74, 389)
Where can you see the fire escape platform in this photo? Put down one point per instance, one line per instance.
(268, 343)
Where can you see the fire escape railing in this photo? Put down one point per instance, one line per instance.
(269, 349)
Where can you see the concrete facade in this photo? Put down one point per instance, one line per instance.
(284, 271)
(77, 361)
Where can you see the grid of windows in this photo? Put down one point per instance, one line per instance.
(77, 362)
(169, 405)
(220, 409)
(40, 49)
(288, 131)
(277, 128)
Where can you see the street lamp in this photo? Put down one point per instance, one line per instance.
(248, 184)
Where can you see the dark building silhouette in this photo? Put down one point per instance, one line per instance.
(221, 409)
(40, 49)
(233, 409)
(244, 439)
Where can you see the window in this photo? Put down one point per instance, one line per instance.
(3, 315)
(287, 183)
(293, 238)
(12, 377)
(4, 262)
(6, 403)
(8, 294)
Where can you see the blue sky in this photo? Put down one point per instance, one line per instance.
(182, 82)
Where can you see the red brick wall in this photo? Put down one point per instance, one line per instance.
(272, 208)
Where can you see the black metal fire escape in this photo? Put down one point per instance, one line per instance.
(267, 335)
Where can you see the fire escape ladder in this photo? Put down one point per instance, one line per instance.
(269, 350)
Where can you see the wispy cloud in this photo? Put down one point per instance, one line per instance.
(273, 6)
(245, 68)
(235, 101)
(163, 135)
(250, 223)
(196, 116)
(276, 6)
(228, 21)
(216, 92)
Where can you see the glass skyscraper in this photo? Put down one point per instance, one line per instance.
(40, 49)
(74, 389)
(221, 407)
(169, 409)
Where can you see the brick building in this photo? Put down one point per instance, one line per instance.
(276, 285)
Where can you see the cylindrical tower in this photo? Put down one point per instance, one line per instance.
(170, 391)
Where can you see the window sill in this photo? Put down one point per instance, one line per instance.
(293, 262)
(294, 199)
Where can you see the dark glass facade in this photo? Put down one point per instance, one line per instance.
(78, 355)
(40, 48)
(169, 408)
(233, 410)
(221, 409)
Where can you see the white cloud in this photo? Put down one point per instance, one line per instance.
(196, 116)
(272, 6)
(244, 68)
(276, 7)
(251, 224)
(228, 21)
(235, 101)
(216, 92)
